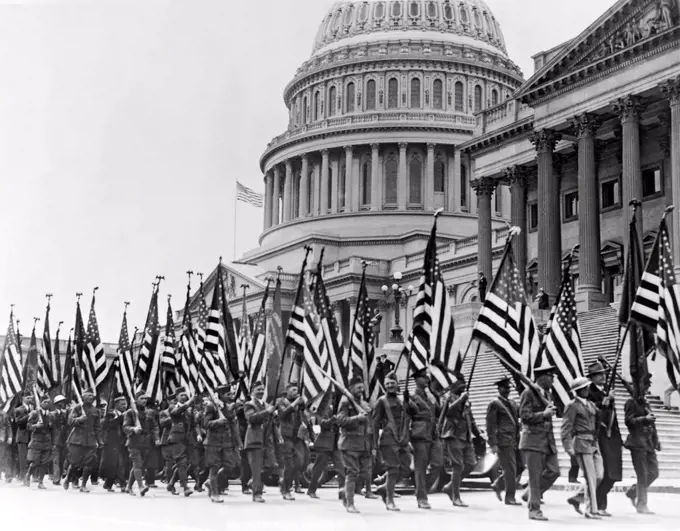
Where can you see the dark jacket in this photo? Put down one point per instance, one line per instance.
(147, 421)
(326, 440)
(222, 433)
(21, 419)
(41, 432)
(459, 426)
(610, 443)
(502, 423)
(580, 427)
(59, 425)
(381, 421)
(85, 426)
(356, 431)
(164, 424)
(112, 427)
(256, 416)
(424, 416)
(289, 419)
(182, 417)
(537, 431)
(641, 432)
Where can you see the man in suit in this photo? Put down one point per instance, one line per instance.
(355, 442)
(608, 437)
(579, 438)
(326, 448)
(643, 443)
(427, 448)
(40, 446)
(537, 440)
(502, 430)
(85, 438)
(258, 415)
(289, 413)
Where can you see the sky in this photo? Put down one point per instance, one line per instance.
(124, 126)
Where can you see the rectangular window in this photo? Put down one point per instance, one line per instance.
(497, 200)
(652, 182)
(570, 206)
(532, 215)
(610, 195)
(463, 187)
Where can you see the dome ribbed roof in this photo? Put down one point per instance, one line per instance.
(468, 22)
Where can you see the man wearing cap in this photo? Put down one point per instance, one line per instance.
(326, 449)
(502, 430)
(258, 414)
(113, 464)
(40, 446)
(84, 439)
(355, 442)
(427, 450)
(142, 431)
(23, 437)
(537, 439)
(643, 443)
(59, 420)
(609, 435)
(164, 425)
(182, 417)
(5, 446)
(579, 438)
(221, 457)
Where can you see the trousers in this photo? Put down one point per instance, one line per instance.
(512, 466)
(543, 471)
(647, 471)
(593, 472)
(463, 461)
(321, 464)
(426, 453)
(255, 456)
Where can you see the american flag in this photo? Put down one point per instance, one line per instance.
(362, 355)
(274, 343)
(82, 362)
(659, 286)
(48, 370)
(11, 380)
(188, 351)
(168, 358)
(295, 335)
(229, 327)
(505, 323)
(562, 347)
(148, 372)
(245, 341)
(315, 353)
(124, 366)
(71, 383)
(245, 194)
(256, 366)
(214, 354)
(95, 351)
(32, 363)
(205, 367)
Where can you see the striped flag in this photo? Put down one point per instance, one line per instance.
(83, 368)
(48, 370)
(562, 348)
(229, 327)
(419, 356)
(204, 365)
(315, 353)
(124, 367)
(245, 194)
(362, 349)
(187, 370)
(56, 356)
(256, 367)
(245, 341)
(95, 356)
(214, 354)
(70, 387)
(274, 343)
(148, 374)
(168, 358)
(505, 323)
(11, 378)
(295, 336)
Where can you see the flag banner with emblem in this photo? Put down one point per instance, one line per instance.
(256, 366)
(274, 343)
(245, 194)
(124, 367)
(214, 354)
(11, 377)
(315, 353)
(148, 374)
(168, 358)
(187, 370)
(363, 360)
(505, 323)
(229, 328)
(95, 350)
(562, 348)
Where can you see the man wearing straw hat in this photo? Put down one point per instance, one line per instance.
(579, 438)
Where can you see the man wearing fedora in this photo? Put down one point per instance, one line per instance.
(579, 438)
(537, 439)
(502, 430)
(609, 435)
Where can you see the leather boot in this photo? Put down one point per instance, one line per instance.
(139, 477)
(348, 502)
(27, 477)
(389, 492)
(86, 475)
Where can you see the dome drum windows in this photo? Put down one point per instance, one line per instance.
(391, 177)
(464, 17)
(332, 96)
(365, 184)
(449, 14)
(415, 93)
(414, 12)
(362, 15)
(494, 97)
(379, 13)
(459, 96)
(477, 102)
(438, 94)
(350, 97)
(396, 13)
(370, 95)
(393, 93)
(415, 180)
(431, 12)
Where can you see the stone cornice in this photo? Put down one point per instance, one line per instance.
(494, 139)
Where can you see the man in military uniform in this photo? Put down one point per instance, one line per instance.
(164, 424)
(59, 421)
(195, 448)
(502, 431)
(84, 439)
(142, 432)
(40, 446)
(355, 442)
(154, 460)
(5, 446)
(289, 412)
(326, 448)
(643, 443)
(113, 464)
(609, 435)
(258, 416)
(182, 416)
(537, 439)
(457, 438)
(579, 438)
(23, 437)
(245, 466)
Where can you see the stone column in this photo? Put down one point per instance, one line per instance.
(349, 176)
(323, 199)
(549, 221)
(671, 90)
(304, 187)
(335, 180)
(484, 188)
(276, 218)
(517, 177)
(288, 193)
(453, 184)
(352, 305)
(402, 179)
(268, 193)
(336, 306)
(428, 197)
(589, 294)
(316, 189)
(631, 186)
(376, 189)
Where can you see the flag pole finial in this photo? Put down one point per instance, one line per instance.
(78, 295)
(35, 321)
(200, 276)
(169, 297)
(49, 298)
(127, 303)
(59, 325)
(438, 212)
(279, 270)
(94, 290)
(668, 210)
(189, 275)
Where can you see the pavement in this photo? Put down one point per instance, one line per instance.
(55, 510)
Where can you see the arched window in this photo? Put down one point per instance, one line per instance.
(341, 185)
(415, 180)
(305, 110)
(463, 186)
(317, 105)
(366, 183)
(396, 9)
(415, 93)
(459, 97)
(439, 175)
(331, 101)
(494, 97)
(393, 93)
(414, 9)
(438, 94)
(478, 98)
(370, 95)
(498, 200)
(391, 175)
(350, 97)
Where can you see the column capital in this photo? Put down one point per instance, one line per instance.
(348, 149)
(403, 145)
(336, 306)
(289, 166)
(545, 140)
(671, 90)
(585, 125)
(627, 108)
(516, 176)
(431, 146)
(375, 146)
(325, 152)
(304, 156)
(352, 301)
(484, 186)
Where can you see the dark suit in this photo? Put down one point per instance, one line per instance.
(537, 442)
(257, 417)
(642, 442)
(502, 431)
(427, 448)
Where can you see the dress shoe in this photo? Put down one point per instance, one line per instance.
(423, 504)
(41, 486)
(188, 492)
(459, 503)
(143, 492)
(171, 489)
(288, 497)
(55, 482)
(313, 495)
(575, 504)
(537, 515)
(448, 491)
(525, 496)
(247, 490)
(258, 499)
(341, 495)
(513, 502)
(217, 499)
(391, 507)
(299, 490)
(592, 516)
(371, 496)
(631, 495)
(643, 509)
(604, 513)
(351, 509)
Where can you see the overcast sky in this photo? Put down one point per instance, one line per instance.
(125, 124)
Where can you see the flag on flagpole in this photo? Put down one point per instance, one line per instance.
(315, 353)
(256, 366)
(229, 328)
(95, 350)
(148, 374)
(214, 353)
(274, 343)
(86, 378)
(245, 194)
(188, 351)
(11, 377)
(363, 359)
(124, 377)
(168, 357)
(245, 341)
(48, 375)
(70, 387)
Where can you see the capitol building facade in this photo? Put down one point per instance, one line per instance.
(405, 107)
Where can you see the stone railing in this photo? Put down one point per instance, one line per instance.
(500, 115)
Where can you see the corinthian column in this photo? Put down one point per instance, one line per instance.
(671, 89)
(402, 184)
(349, 177)
(304, 187)
(324, 183)
(376, 189)
(288, 193)
(267, 200)
(516, 176)
(549, 223)
(276, 196)
(428, 200)
(631, 187)
(484, 188)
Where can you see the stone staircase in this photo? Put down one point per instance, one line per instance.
(599, 330)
